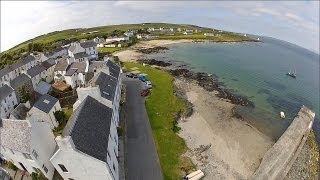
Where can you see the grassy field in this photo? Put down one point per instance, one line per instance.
(109, 49)
(162, 106)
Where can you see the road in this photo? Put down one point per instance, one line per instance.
(142, 159)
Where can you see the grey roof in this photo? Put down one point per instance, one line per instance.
(47, 64)
(5, 71)
(22, 79)
(5, 90)
(45, 103)
(35, 70)
(43, 88)
(88, 44)
(72, 48)
(107, 85)
(81, 55)
(62, 64)
(76, 67)
(89, 128)
(58, 49)
(71, 71)
(16, 135)
(96, 65)
(23, 61)
(114, 69)
(20, 112)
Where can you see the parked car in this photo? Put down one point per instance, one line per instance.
(148, 84)
(143, 78)
(131, 75)
(145, 92)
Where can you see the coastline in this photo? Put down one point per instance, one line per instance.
(220, 144)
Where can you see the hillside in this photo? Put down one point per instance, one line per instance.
(55, 39)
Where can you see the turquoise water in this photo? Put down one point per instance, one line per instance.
(258, 71)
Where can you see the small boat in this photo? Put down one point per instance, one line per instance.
(292, 74)
(282, 115)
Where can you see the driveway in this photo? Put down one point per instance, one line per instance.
(142, 159)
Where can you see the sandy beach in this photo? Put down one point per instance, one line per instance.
(222, 146)
(131, 54)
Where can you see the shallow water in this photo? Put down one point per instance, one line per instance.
(258, 71)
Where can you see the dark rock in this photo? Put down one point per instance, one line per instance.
(153, 50)
(155, 62)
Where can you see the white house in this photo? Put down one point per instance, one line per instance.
(75, 74)
(28, 145)
(8, 100)
(37, 73)
(11, 72)
(106, 88)
(88, 147)
(49, 65)
(187, 33)
(118, 39)
(88, 47)
(44, 109)
(99, 40)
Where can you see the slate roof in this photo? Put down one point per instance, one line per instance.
(20, 112)
(81, 55)
(72, 48)
(96, 65)
(22, 79)
(62, 64)
(23, 61)
(89, 128)
(35, 70)
(76, 67)
(88, 44)
(48, 63)
(43, 88)
(16, 135)
(107, 85)
(5, 71)
(114, 69)
(45, 103)
(5, 90)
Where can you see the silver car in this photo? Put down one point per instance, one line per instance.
(148, 84)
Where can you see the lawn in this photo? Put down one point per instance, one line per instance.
(67, 114)
(162, 106)
(109, 49)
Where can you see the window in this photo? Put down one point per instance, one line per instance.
(35, 169)
(63, 168)
(44, 168)
(108, 154)
(27, 156)
(35, 154)
(10, 95)
(114, 167)
(11, 151)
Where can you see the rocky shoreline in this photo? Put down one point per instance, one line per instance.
(208, 81)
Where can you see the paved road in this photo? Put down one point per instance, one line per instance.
(142, 159)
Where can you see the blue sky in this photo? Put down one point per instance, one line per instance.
(293, 21)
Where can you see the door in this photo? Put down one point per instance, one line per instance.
(24, 168)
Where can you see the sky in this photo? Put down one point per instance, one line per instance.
(293, 21)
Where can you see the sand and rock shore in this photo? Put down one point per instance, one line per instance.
(220, 143)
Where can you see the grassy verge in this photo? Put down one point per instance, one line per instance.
(162, 107)
(314, 160)
(108, 49)
(67, 112)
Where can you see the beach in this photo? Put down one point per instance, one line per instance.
(222, 146)
(132, 54)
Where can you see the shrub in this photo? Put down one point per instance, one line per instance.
(60, 116)
(120, 131)
(12, 166)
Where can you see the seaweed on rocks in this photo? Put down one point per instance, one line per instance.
(154, 62)
(153, 50)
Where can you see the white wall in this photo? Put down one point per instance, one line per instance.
(113, 150)
(35, 114)
(79, 165)
(7, 104)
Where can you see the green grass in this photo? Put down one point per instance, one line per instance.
(58, 130)
(109, 49)
(162, 106)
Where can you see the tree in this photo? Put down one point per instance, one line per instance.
(24, 94)
(60, 116)
(12, 166)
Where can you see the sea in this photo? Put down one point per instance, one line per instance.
(258, 70)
